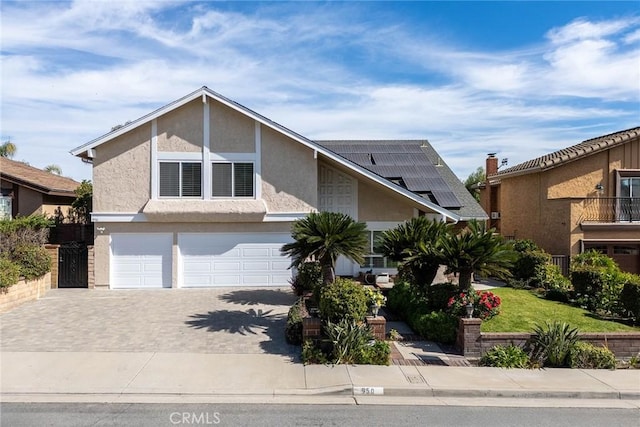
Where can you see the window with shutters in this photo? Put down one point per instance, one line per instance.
(232, 179)
(180, 179)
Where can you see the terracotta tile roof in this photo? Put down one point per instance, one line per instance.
(583, 149)
(37, 179)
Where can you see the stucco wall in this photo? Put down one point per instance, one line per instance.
(101, 246)
(29, 202)
(376, 203)
(181, 130)
(547, 207)
(289, 174)
(121, 172)
(230, 131)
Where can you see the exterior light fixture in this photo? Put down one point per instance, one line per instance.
(469, 308)
(599, 187)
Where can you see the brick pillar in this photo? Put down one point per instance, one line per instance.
(311, 327)
(53, 253)
(378, 326)
(468, 341)
(91, 278)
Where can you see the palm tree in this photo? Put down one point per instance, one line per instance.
(325, 236)
(415, 244)
(7, 149)
(54, 169)
(476, 250)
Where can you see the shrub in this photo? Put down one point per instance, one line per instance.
(551, 343)
(485, 304)
(528, 265)
(375, 354)
(597, 282)
(510, 356)
(27, 230)
(34, 261)
(343, 299)
(293, 329)
(440, 294)
(375, 297)
(630, 296)
(523, 245)
(436, 326)
(9, 273)
(348, 339)
(403, 299)
(584, 355)
(308, 278)
(312, 354)
(557, 287)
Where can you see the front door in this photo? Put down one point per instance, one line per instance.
(338, 192)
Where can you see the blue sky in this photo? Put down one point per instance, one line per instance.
(518, 78)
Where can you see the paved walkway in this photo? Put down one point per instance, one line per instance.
(224, 321)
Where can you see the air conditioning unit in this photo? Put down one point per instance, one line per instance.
(495, 215)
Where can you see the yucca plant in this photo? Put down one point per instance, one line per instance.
(325, 236)
(551, 343)
(348, 339)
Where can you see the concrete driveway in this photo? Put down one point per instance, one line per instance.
(223, 321)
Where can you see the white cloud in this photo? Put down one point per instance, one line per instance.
(71, 71)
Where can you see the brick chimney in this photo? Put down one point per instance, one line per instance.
(492, 164)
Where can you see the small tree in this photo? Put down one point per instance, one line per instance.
(476, 250)
(82, 205)
(325, 236)
(473, 179)
(54, 169)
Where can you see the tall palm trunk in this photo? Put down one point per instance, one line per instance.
(328, 274)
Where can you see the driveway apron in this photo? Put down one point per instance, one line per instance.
(221, 320)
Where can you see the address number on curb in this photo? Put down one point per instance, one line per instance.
(368, 391)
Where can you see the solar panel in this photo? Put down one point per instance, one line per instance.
(406, 161)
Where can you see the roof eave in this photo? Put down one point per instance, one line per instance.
(204, 91)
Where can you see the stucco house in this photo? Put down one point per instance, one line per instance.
(582, 197)
(203, 192)
(25, 190)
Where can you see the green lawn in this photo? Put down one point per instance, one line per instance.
(521, 310)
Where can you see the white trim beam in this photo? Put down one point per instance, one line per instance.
(98, 217)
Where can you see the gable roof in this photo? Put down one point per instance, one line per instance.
(85, 150)
(575, 152)
(36, 179)
(414, 165)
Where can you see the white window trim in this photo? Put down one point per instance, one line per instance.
(233, 181)
(180, 162)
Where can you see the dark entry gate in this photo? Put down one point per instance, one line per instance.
(73, 266)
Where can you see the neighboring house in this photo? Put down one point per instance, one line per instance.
(203, 192)
(25, 190)
(583, 197)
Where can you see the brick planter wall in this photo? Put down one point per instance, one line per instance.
(311, 327)
(473, 343)
(468, 340)
(24, 291)
(91, 277)
(53, 253)
(378, 326)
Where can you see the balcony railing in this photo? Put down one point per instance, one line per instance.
(611, 209)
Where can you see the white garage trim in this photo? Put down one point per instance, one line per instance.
(140, 260)
(232, 259)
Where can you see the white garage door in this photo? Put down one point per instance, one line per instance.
(141, 260)
(233, 259)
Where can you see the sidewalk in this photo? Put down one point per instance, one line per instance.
(122, 377)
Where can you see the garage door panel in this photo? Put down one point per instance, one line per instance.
(234, 259)
(141, 260)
